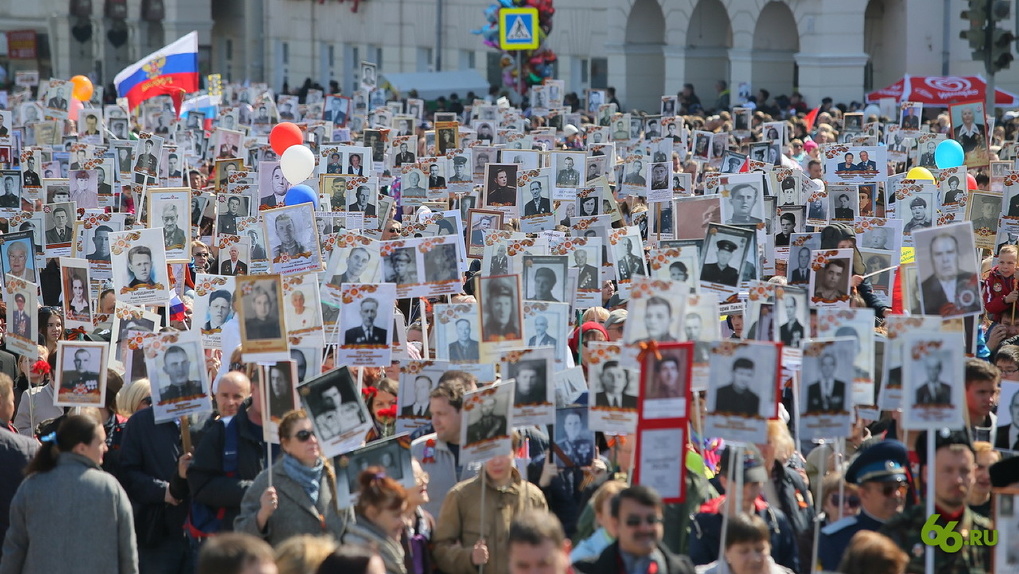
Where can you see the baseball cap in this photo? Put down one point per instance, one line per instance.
(753, 464)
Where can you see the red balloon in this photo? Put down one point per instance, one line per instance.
(971, 182)
(283, 136)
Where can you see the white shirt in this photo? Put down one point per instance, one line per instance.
(949, 288)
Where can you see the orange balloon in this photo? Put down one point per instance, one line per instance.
(81, 88)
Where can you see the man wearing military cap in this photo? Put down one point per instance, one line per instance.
(955, 472)
(920, 220)
(720, 271)
(880, 472)
(459, 163)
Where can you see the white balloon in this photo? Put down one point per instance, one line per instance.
(297, 163)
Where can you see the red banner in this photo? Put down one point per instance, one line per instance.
(22, 45)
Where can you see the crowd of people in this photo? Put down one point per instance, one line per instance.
(116, 487)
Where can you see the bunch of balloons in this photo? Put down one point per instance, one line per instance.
(948, 154)
(297, 162)
(537, 64)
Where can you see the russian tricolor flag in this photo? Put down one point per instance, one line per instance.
(171, 70)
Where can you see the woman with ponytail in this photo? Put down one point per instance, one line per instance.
(68, 512)
(380, 518)
(302, 498)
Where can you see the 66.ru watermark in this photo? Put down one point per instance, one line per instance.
(946, 538)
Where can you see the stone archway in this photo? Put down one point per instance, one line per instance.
(776, 42)
(708, 40)
(645, 61)
(885, 42)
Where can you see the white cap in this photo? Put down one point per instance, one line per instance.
(571, 130)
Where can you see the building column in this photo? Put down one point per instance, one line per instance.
(741, 70)
(675, 68)
(616, 55)
(838, 76)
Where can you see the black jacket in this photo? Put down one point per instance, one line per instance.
(148, 461)
(791, 490)
(15, 453)
(610, 562)
(209, 483)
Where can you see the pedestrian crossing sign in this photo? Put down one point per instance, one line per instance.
(518, 29)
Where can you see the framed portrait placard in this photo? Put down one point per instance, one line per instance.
(658, 307)
(170, 210)
(656, 464)
(826, 398)
(354, 259)
(701, 327)
(392, 454)
(574, 444)
(929, 361)
(22, 326)
(302, 307)
(93, 242)
(665, 380)
(857, 325)
(456, 331)
(950, 286)
(585, 255)
(534, 394)
(213, 307)
(614, 380)
(547, 325)
(334, 404)
(262, 322)
(366, 316)
(422, 267)
(487, 423)
(743, 392)
(139, 267)
(831, 272)
(176, 367)
(76, 289)
(281, 396)
(17, 256)
(293, 240)
(417, 380)
(81, 373)
(897, 327)
(501, 313)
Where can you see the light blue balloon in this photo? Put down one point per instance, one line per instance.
(949, 154)
(301, 194)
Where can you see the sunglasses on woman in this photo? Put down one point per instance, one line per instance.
(304, 435)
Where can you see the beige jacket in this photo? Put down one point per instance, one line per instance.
(459, 524)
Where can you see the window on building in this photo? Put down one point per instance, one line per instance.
(494, 68)
(599, 73)
(424, 59)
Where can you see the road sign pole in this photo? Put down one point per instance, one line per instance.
(518, 31)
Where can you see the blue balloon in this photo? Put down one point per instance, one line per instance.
(301, 194)
(949, 154)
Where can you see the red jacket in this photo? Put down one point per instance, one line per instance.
(996, 287)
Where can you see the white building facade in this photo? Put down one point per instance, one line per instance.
(644, 48)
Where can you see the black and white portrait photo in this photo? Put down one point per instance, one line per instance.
(293, 239)
(500, 308)
(335, 407)
(178, 376)
(574, 438)
(949, 272)
(545, 278)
